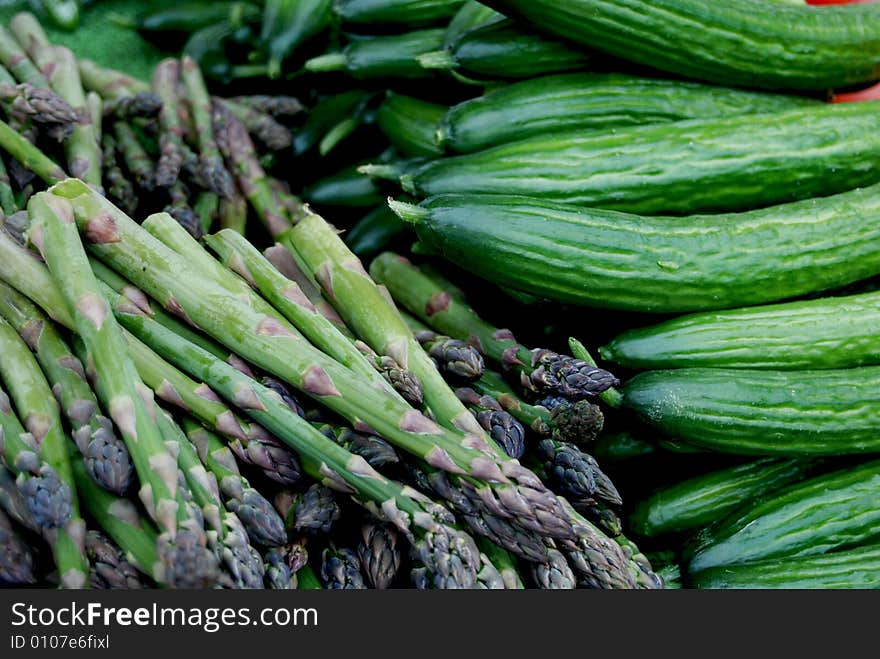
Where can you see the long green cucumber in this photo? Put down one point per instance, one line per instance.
(696, 502)
(392, 56)
(710, 164)
(410, 13)
(348, 187)
(374, 232)
(592, 101)
(833, 332)
(813, 517)
(410, 124)
(471, 14)
(607, 259)
(504, 50)
(857, 568)
(753, 412)
(749, 43)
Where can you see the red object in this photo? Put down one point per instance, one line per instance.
(868, 94)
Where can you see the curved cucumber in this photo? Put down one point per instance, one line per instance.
(403, 12)
(590, 101)
(607, 259)
(751, 412)
(410, 124)
(836, 332)
(857, 568)
(503, 50)
(696, 502)
(749, 43)
(813, 517)
(716, 163)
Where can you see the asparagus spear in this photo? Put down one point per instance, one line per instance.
(165, 77)
(576, 474)
(109, 568)
(119, 188)
(28, 155)
(226, 536)
(119, 518)
(453, 357)
(205, 207)
(25, 101)
(16, 558)
(503, 485)
(341, 569)
(211, 161)
(182, 541)
(262, 523)
(612, 397)
(379, 554)
(277, 106)
(261, 125)
(555, 574)
(502, 427)
(105, 456)
(311, 512)
(134, 155)
(279, 575)
(238, 149)
(52, 496)
(504, 563)
(109, 83)
(541, 371)
(232, 213)
(7, 197)
(14, 58)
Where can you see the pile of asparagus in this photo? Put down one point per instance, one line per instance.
(180, 407)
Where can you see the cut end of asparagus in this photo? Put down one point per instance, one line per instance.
(438, 59)
(326, 63)
(409, 213)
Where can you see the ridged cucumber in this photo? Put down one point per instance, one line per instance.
(696, 502)
(411, 13)
(716, 163)
(410, 124)
(392, 56)
(614, 260)
(749, 43)
(503, 50)
(813, 517)
(752, 412)
(591, 101)
(834, 332)
(857, 568)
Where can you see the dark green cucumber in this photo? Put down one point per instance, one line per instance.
(345, 188)
(410, 124)
(717, 163)
(381, 56)
(696, 502)
(410, 13)
(752, 412)
(857, 568)
(620, 447)
(592, 101)
(374, 232)
(607, 259)
(749, 43)
(504, 50)
(834, 332)
(330, 112)
(471, 14)
(813, 517)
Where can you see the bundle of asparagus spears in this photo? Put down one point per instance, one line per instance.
(190, 399)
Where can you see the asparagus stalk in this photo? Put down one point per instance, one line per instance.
(182, 541)
(105, 456)
(211, 161)
(261, 125)
(263, 524)
(7, 197)
(504, 563)
(205, 207)
(238, 149)
(165, 77)
(109, 567)
(28, 155)
(109, 83)
(120, 519)
(52, 496)
(503, 485)
(502, 427)
(541, 371)
(379, 554)
(119, 188)
(135, 156)
(232, 213)
(276, 105)
(13, 57)
(16, 558)
(226, 536)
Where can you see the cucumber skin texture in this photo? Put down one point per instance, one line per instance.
(753, 412)
(711, 164)
(749, 43)
(394, 56)
(613, 260)
(696, 502)
(347, 188)
(838, 332)
(592, 101)
(857, 568)
(471, 15)
(809, 518)
(410, 124)
(406, 12)
(502, 50)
